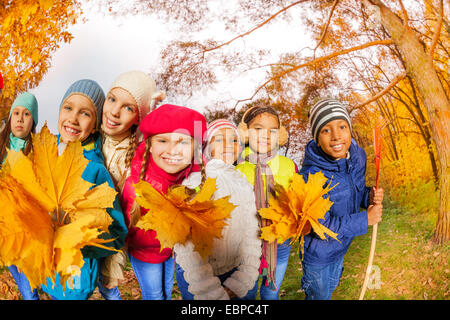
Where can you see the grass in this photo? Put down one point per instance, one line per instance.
(410, 266)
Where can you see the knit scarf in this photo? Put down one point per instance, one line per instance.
(269, 250)
(16, 144)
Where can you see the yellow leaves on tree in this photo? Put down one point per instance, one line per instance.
(176, 218)
(296, 209)
(49, 213)
(30, 32)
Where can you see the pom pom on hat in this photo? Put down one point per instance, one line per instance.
(142, 88)
(324, 111)
(28, 101)
(170, 118)
(91, 90)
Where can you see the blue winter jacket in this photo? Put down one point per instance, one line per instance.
(95, 172)
(344, 216)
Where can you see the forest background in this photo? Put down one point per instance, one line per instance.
(382, 59)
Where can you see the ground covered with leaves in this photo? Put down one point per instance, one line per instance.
(409, 265)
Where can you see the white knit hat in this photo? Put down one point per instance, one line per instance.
(142, 88)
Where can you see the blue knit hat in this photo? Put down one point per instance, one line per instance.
(28, 101)
(91, 90)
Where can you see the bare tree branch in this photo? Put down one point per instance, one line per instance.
(438, 28)
(316, 61)
(326, 26)
(405, 14)
(382, 92)
(255, 28)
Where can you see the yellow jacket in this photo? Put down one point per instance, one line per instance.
(282, 169)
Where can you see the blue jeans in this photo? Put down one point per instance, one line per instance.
(155, 279)
(265, 292)
(319, 282)
(183, 285)
(23, 284)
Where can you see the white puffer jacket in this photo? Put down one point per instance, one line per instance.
(239, 247)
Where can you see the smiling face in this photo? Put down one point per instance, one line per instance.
(172, 152)
(21, 122)
(335, 138)
(263, 133)
(224, 145)
(120, 112)
(77, 118)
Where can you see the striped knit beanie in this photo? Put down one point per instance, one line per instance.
(213, 127)
(91, 90)
(218, 124)
(324, 111)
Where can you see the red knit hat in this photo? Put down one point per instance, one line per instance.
(169, 118)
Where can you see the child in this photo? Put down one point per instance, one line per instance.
(130, 98)
(79, 119)
(232, 268)
(163, 159)
(22, 121)
(337, 155)
(261, 129)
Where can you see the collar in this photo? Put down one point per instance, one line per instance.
(175, 178)
(109, 142)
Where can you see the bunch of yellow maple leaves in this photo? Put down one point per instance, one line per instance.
(297, 209)
(49, 213)
(177, 218)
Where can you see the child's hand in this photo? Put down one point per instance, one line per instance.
(374, 213)
(376, 196)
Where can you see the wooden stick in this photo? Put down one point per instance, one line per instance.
(369, 264)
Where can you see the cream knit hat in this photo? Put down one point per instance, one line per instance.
(142, 88)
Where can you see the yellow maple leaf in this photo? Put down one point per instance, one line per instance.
(51, 212)
(176, 218)
(297, 209)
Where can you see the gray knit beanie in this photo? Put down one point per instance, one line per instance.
(324, 111)
(91, 90)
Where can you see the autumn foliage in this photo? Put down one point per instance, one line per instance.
(176, 218)
(49, 213)
(297, 209)
(30, 32)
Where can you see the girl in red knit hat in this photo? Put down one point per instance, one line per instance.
(172, 135)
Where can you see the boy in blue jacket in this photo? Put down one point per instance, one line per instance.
(338, 156)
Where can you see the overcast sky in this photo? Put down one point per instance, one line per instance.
(104, 47)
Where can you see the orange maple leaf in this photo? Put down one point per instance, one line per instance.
(50, 213)
(297, 209)
(176, 218)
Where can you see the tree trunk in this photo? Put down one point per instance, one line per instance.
(419, 66)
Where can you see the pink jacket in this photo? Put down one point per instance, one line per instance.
(144, 245)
